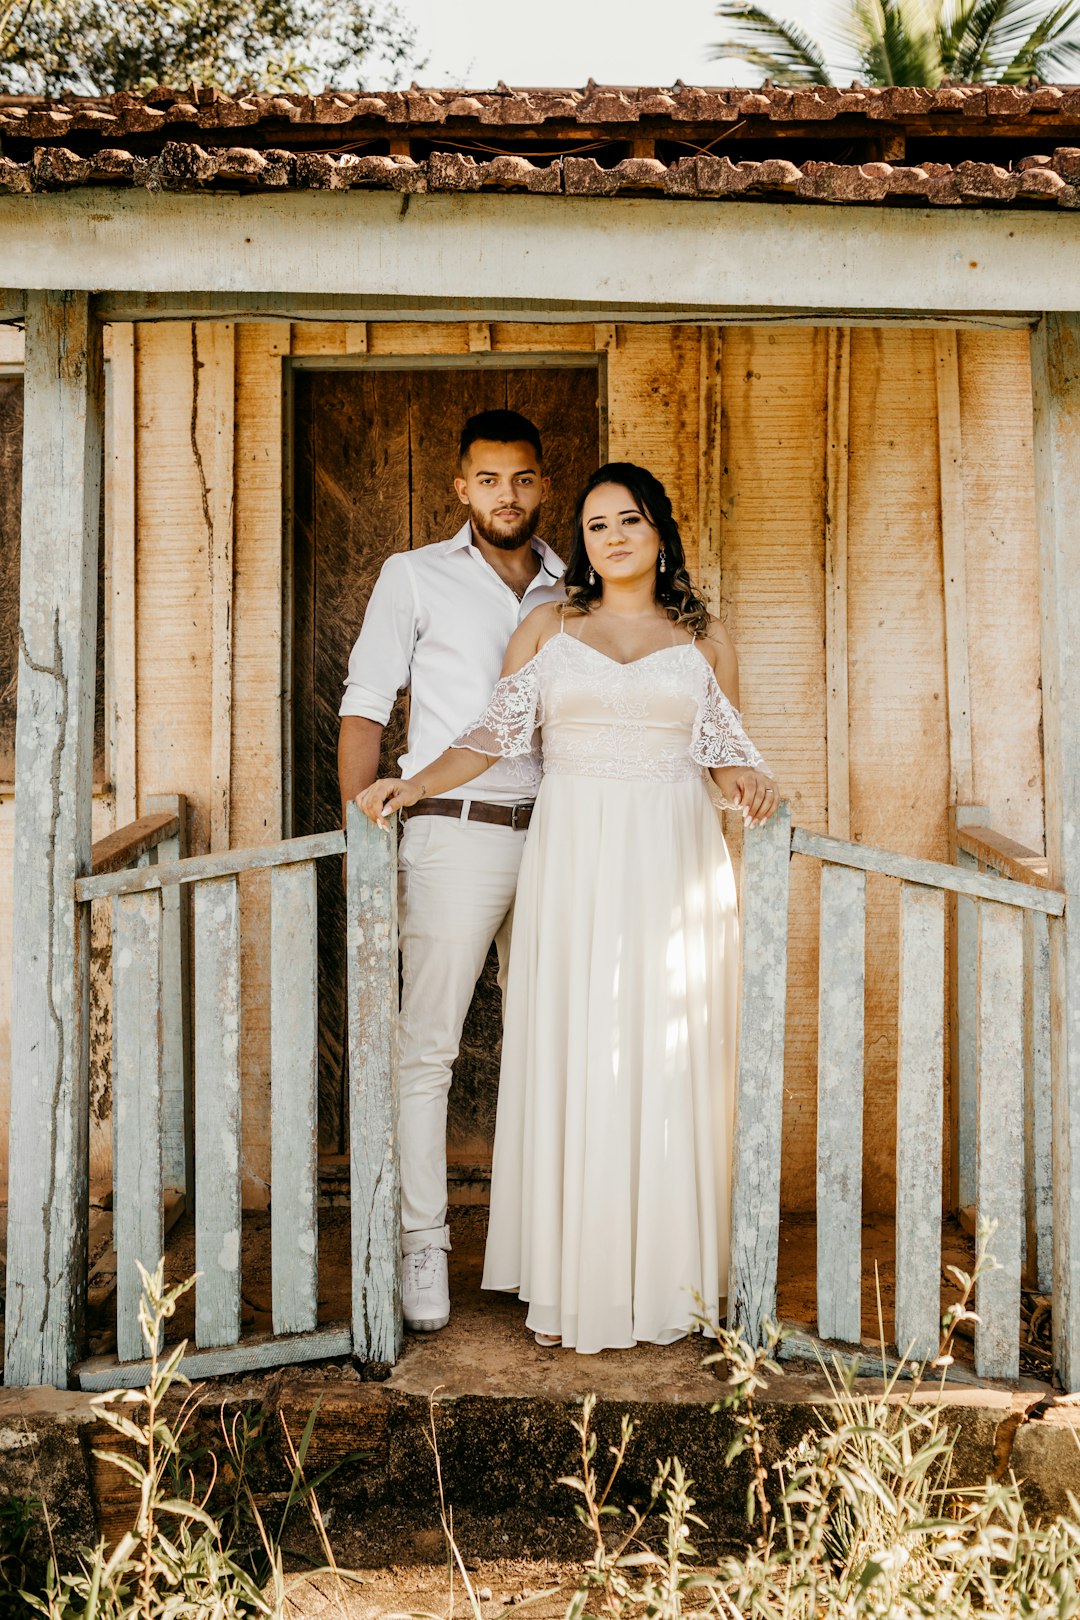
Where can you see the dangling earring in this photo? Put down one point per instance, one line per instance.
(663, 561)
(592, 577)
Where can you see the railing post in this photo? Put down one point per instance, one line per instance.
(963, 1008)
(371, 899)
(1055, 366)
(178, 1113)
(61, 520)
(759, 1086)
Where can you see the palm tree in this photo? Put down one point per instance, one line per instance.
(921, 42)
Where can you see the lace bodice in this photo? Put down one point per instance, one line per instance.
(573, 711)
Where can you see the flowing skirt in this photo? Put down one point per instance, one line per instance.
(611, 1175)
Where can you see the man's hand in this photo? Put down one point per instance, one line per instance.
(752, 792)
(383, 797)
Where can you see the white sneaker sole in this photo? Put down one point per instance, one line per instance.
(428, 1324)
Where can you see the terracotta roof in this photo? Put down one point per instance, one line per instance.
(982, 144)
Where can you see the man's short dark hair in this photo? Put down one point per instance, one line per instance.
(500, 427)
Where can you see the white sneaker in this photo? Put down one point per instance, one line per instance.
(425, 1290)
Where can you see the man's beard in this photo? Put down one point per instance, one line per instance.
(505, 540)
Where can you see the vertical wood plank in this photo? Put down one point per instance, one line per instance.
(61, 517)
(1055, 356)
(710, 468)
(138, 1202)
(356, 337)
(178, 1103)
(999, 1156)
(294, 1078)
(371, 883)
(479, 337)
(840, 1103)
(217, 1112)
(963, 999)
(759, 1086)
(954, 563)
(212, 444)
(920, 1066)
(1038, 1126)
(120, 527)
(837, 729)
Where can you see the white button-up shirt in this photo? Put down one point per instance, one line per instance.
(438, 622)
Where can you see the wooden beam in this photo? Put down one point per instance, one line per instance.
(122, 848)
(12, 304)
(932, 874)
(196, 867)
(479, 337)
(122, 589)
(255, 1354)
(1055, 357)
(759, 1086)
(372, 308)
(837, 413)
(954, 565)
(1004, 855)
(61, 518)
(375, 1186)
(710, 468)
(212, 446)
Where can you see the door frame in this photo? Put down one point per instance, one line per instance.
(487, 360)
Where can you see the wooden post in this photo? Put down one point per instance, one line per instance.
(138, 1204)
(710, 466)
(837, 414)
(963, 1009)
(61, 520)
(842, 973)
(954, 563)
(919, 1121)
(1055, 366)
(371, 935)
(759, 1085)
(999, 1155)
(1038, 1126)
(217, 1113)
(294, 1084)
(178, 1106)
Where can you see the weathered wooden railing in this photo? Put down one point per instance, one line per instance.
(1000, 906)
(980, 848)
(142, 901)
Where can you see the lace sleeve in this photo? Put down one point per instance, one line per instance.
(719, 738)
(509, 724)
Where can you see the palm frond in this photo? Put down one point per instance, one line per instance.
(897, 43)
(781, 50)
(1052, 46)
(968, 38)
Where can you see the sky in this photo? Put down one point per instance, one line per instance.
(566, 42)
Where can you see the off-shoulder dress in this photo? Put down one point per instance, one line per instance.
(612, 1162)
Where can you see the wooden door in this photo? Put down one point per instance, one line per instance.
(375, 456)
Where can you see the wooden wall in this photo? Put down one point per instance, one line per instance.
(830, 484)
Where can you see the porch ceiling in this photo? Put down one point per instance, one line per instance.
(979, 145)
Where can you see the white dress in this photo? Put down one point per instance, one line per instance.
(611, 1174)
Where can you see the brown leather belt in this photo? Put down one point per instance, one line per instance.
(517, 816)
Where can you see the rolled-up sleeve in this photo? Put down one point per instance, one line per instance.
(381, 658)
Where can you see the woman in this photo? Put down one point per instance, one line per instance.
(611, 1172)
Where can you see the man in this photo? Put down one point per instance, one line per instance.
(438, 622)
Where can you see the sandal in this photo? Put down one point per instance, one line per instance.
(548, 1341)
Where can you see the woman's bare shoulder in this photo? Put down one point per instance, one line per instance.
(543, 621)
(716, 644)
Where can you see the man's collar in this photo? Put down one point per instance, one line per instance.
(550, 560)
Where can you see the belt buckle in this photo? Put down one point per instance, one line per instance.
(514, 815)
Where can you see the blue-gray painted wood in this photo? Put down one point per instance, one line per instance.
(919, 1120)
(178, 1109)
(50, 975)
(255, 1354)
(294, 1039)
(999, 1155)
(759, 1087)
(841, 1002)
(930, 874)
(966, 1014)
(1055, 376)
(375, 1188)
(1038, 1125)
(137, 1094)
(197, 867)
(217, 1112)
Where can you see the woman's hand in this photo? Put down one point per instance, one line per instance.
(752, 792)
(390, 793)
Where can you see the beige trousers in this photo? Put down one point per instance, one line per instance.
(456, 884)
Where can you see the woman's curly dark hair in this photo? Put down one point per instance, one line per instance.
(675, 592)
